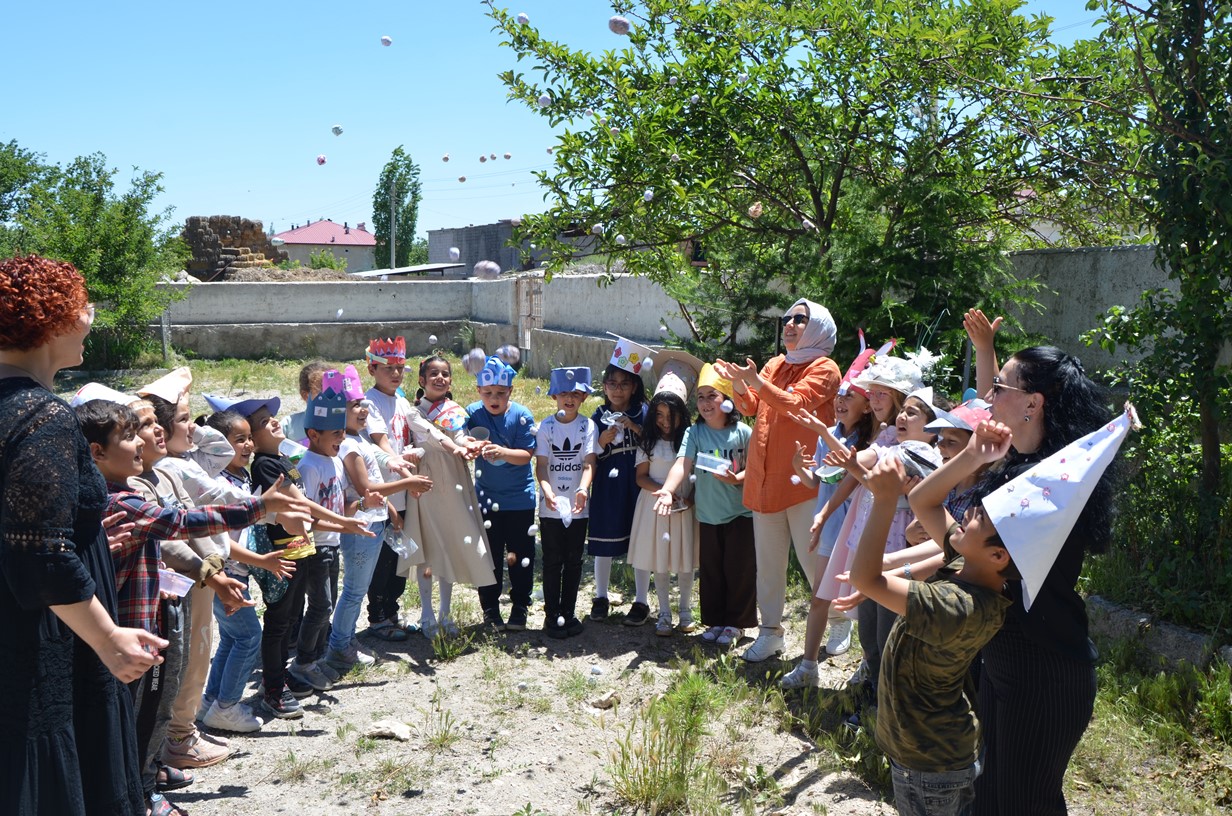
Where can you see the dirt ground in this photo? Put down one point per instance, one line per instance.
(510, 726)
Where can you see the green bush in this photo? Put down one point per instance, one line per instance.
(324, 259)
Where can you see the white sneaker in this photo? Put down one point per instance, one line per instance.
(238, 718)
(712, 634)
(766, 646)
(859, 675)
(428, 627)
(801, 677)
(206, 702)
(664, 627)
(361, 657)
(729, 635)
(840, 636)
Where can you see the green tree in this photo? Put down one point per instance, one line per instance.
(19, 170)
(866, 153)
(75, 213)
(397, 192)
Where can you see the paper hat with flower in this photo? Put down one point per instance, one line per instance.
(390, 351)
(894, 373)
(495, 372)
(678, 372)
(171, 386)
(1035, 512)
(243, 407)
(327, 410)
(709, 378)
(863, 360)
(93, 391)
(630, 356)
(564, 380)
(352, 386)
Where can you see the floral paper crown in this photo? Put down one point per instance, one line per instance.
(390, 351)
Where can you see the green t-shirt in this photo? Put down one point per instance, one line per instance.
(925, 716)
(717, 502)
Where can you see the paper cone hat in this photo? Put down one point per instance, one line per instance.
(94, 391)
(678, 372)
(352, 387)
(171, 386)
(630, 356)
(211, 449)
(1035, 512)
(710, 378)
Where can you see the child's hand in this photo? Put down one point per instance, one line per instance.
(981, 332)
(847, 602)
(807, 420)
(844, 458)
(395, 520)
(280, 567)
(419, 485)
(990, 442)
(886, 479)
(355, 526)
(608, 437)
(819, 521)
(371, 500)
(802, 459)
(399, 467)
(579, 501)
(412, 456)
(915, 533)
(663, 502)
(492, 453)
(230, 592)
(276, 501)
(118, 531)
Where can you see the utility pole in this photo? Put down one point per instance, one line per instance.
(393, 221)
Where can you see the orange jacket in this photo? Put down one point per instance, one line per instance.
(767, 480)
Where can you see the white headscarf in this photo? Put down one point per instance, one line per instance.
(818, 337)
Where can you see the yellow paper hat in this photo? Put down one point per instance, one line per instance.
(709, 377)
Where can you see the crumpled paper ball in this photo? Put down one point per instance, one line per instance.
(454, 253)
(474, 361)
(620, 239)
(755, 210)
(336, 130)
(523, 18)
(321, 159)
(508, 155)
(483, 159)
(445, 158)
(487, 270)
(509, 354)
(618, 25)
(597, 229)
(544, 100)
(387, 40)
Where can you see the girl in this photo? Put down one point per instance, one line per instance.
(239, 634)
(450, 516)
(663, 544)
(614, 494)
(727, 561)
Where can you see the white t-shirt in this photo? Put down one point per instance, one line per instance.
(366, 451)
(565, 446)
(325, 483)
(391, 417)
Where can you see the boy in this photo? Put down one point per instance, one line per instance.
(504, 477)
(564, 468)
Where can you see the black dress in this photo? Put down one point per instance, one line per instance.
(67, 739)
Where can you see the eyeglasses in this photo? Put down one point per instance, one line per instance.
(798, 319)
(89, 312)
(998, 384)
(618, 385)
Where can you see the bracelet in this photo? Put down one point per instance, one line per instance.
(907, 570)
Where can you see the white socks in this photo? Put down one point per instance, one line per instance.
(641, 584)
(603, 574)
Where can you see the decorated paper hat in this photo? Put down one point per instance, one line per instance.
(563, 380)
(863, 360)
(390, 351)
(352, 387)
(93, 391)
(1035, 512)
(244, 407)
(171, 386)
(963, 418)
(327, 410)
(678, 372)
(495, 372)
(630, 356)
(711, 379)
(893, 373)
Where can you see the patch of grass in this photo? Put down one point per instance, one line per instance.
(363, 745)
(447, 648)
(293, 769)
(341, 731)
(574, 686)
(440, 731)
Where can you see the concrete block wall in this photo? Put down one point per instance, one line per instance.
(630, 306)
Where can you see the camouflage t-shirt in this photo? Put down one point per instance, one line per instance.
(925, 718)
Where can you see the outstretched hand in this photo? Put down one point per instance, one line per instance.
(991, 441)
(979, 329)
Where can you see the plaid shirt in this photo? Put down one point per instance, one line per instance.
(136, 560)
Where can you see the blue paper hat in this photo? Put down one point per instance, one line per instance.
(495, 372)
(244, 407)
(564, 380)
(327, 410)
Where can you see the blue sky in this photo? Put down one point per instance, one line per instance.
(233, 102)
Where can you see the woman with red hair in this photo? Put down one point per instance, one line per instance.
(67, 737)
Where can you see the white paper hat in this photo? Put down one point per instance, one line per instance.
(678, 372)
(629, 356)
(92, 391)
(1035, 512)
(894, 373)
(171, 386)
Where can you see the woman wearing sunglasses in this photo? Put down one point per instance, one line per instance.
(804, 379)
(1037, 686)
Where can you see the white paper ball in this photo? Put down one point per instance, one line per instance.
(458, 488)
(532, 530)
(508, 155)
(336, 130)
(338, 313)
(432, 339)
(618, 25)
(743, 77)
(474, 360)
(597, 229)
(560, 414)
(462, 179)
(621, 240)
(510, 355)
(544, 100)
(483, 159)
(795, 479)
(526, 561)
(672, 81)
(487, 525)
(387, 40)
(613, 473)
(492, 156)
(648, 196)
(675, 157)
(550, 151)
(726, 406)
(667, 537)
(321, 159)
(596, 670)
(523, 18)
(695, 99)
(445, 158)
(454, 253)
(560, 621)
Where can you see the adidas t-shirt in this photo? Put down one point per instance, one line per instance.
(565, 445)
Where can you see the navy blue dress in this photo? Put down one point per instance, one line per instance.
(613, 494)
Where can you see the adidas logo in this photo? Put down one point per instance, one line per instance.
(567, 451)
(568, 457)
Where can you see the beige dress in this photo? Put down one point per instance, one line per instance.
(449, 516)
(662, 543)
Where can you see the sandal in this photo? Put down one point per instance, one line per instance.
(388, 630)
(170, 779)
(159, 806)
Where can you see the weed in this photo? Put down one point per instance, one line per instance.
(529, 810)
(341, 731)
(293, 769)
(574, 686)
(448, 648)
(440, 731)
(363, 745)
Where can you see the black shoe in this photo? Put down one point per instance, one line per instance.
(298, 688)
(283, 706)
(638, 614)
(598, 609)
(492, 617)
(573, 627)
(517, 619)
(553, 629)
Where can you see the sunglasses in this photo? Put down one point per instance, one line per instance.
(998, 385)
(799, 319)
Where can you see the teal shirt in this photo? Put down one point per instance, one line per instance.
(717, 502)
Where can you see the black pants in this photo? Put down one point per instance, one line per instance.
(508, 534)
(1034, 706)
(727, 566)
(562, 566)
(875, 622)
(386, 587)
(154, 692)
(311, 575)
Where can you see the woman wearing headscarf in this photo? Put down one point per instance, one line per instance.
(804, 379)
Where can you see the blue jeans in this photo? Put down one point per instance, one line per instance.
(934, 793)
(239, 646)
(360, 554)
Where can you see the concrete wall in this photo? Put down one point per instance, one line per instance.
(630, 306)
(358, 258)
(495, 301)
